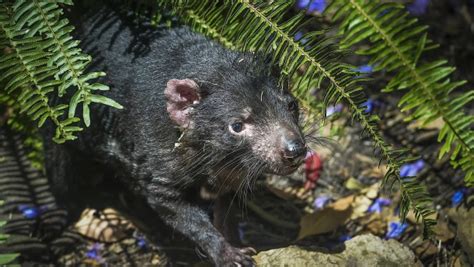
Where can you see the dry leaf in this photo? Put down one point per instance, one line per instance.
(360, 206)
(442, 231)
(365, 159)
(377, 225)
(376, 171)
(411, 217)
(373, 191)
(109, 227)
(426, 249)
(436, 124)
(327, 219)
(354, 184)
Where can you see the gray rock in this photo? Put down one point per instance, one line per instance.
(363, 251)
(465, 229)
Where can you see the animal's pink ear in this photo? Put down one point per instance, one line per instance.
(181, 95)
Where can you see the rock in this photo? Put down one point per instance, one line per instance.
(465, 229)
(364, 251)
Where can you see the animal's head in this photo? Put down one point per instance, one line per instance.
(240, 116)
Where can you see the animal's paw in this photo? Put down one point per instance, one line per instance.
(241, 257)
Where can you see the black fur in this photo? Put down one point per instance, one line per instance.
(139, 153)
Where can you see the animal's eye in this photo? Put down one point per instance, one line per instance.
(237, 127)
(292, 106)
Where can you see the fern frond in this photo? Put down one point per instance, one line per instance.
(270, 27)
(40, 17)
(396, 45)
(26, 69)
(5, 258)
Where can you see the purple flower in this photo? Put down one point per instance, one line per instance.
(321, 202)
(418, 7)
(369, 105)
(298, 36)
(141, 243)
(364, 69)
(457, 197)
(92, 254)
(333, 109)
(412, 169)
(312, 5)
(378, 204)
(29, 212)
(396, 229)
(94, 251)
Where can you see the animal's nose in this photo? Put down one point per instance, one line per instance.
(295, 151)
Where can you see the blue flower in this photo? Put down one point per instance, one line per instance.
(412, 169)
(140, 240)
(369, 105)
(141, 243)
(333, 109)
(395, 230)
(29, 212)
(312, 5)
(94, 252)
(457, 197)
(378, 204)
(418, 7)
(364, 69)
(321, 202)
(298, 36)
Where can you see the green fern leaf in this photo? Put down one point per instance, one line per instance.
(5, 258)
(43, 18)
(26, 72)
(397, 43)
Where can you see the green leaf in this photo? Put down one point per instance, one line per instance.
(7, 258)
(105, 100)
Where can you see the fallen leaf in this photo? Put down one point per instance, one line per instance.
(327, 219)
(376, 171)
(372, 191)
(365, 159)
(411, 217)
(108, 227)
(442, 231)
(436, 124)
(377, 225)
(354, 184)
(426, 249)
(360, 206)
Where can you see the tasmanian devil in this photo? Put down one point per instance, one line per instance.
(195, 114)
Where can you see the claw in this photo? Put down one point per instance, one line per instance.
(248, 251)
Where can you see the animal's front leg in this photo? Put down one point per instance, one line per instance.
(224, 217)
(193, 222)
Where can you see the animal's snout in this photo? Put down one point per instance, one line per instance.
(294, 151)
